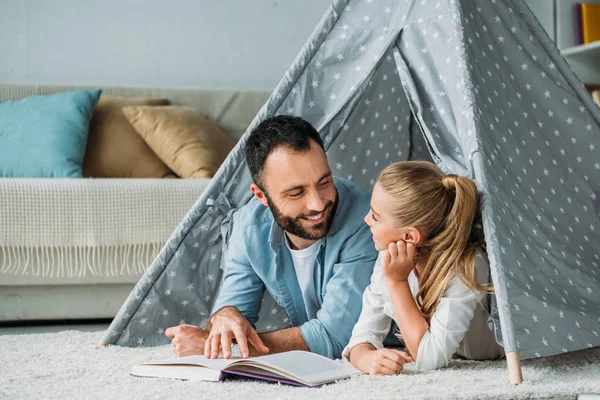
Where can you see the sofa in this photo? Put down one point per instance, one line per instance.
(74, 248)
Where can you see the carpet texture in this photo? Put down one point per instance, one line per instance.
(68, 365)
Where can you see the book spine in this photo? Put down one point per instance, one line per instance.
(577, 27)
(564, 18)
(590, 22)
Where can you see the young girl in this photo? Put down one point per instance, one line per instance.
(430, 277)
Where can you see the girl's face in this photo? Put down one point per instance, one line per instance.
(382, 224)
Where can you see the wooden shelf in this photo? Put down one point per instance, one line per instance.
(585, 61)
(590, 52)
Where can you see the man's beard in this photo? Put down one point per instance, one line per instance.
(294, 225)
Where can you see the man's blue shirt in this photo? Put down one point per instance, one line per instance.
(257, 259)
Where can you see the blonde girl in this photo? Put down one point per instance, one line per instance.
(430, 277)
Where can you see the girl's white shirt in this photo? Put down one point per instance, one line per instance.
(458, 327)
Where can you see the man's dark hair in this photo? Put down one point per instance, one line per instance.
(288, 131)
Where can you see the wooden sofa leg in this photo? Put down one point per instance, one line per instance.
(514, 367)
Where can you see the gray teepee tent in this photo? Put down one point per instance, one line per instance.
(479, 86)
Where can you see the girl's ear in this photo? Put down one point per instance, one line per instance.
(259, 194)
(412, 235)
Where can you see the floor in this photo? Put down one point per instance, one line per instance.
(16, 328)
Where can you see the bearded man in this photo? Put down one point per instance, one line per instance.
(302, 237)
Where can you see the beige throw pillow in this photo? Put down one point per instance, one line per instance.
(191, 144)
(114, 149)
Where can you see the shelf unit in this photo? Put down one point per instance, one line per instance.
(585, 61)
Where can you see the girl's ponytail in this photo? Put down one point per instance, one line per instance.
(450, 251)
(443, 207)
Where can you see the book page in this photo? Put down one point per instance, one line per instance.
(217, 364)
(176, 371)
(303, 365)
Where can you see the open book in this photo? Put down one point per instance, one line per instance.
(300, 368)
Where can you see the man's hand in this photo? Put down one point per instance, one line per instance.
(187, 339)
(398, 261)
(387, 362)
(227, 324)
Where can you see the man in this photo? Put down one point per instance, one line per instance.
(302, 237)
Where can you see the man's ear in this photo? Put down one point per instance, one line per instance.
(412, 235)
(259, 194)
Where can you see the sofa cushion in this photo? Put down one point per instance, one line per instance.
(114, 149)
(191, 144)
(45, 136)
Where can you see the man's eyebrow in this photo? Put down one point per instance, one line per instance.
(292, 188)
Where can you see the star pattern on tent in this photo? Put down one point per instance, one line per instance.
(541, 167)
(490, 102)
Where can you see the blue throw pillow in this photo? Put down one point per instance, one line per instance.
(45, 136)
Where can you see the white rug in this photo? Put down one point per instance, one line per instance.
(68, 365)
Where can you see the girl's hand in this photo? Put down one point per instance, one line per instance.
(399, 261)
(388, 362)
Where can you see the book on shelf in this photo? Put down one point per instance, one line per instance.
(590, 22)
(578, 29)
(300, 368)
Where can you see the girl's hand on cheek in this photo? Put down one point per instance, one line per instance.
(399, 261)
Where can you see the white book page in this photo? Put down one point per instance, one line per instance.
(217, 364)
(303, 366)
(306, 366)
(176, 371)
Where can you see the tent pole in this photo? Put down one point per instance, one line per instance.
(514, 367)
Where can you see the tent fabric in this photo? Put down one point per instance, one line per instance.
(474, 85)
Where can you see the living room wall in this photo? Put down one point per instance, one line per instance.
(154, 43)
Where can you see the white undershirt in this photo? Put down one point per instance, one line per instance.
(304, 264)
